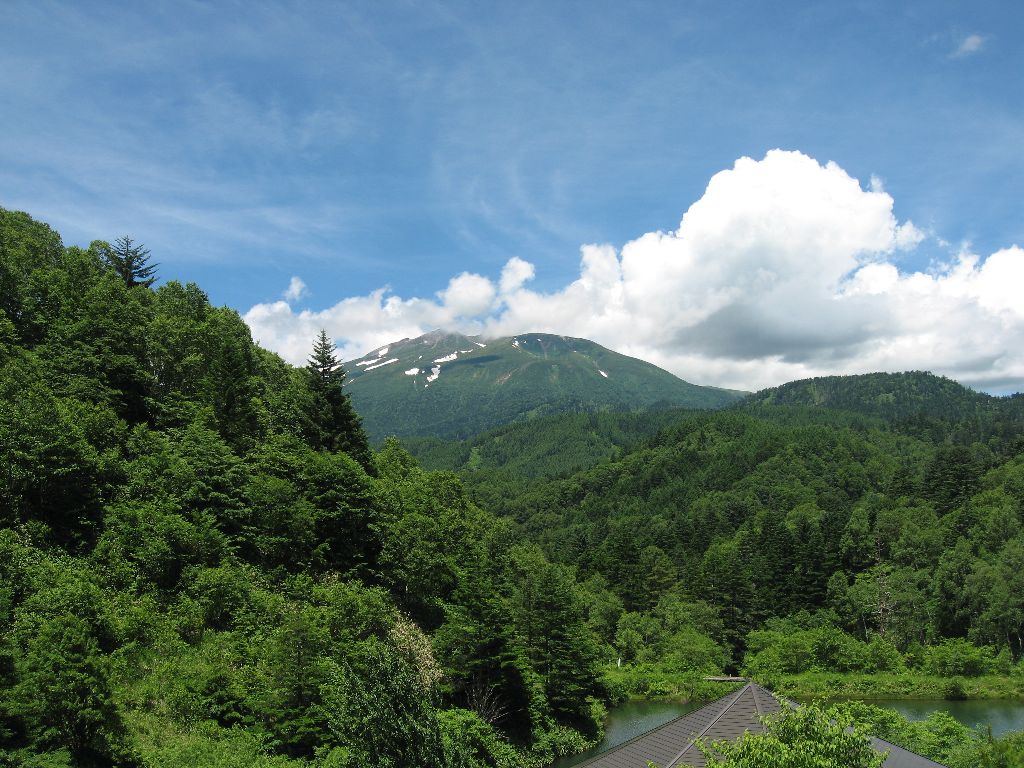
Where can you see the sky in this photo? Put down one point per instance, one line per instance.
(744, 193)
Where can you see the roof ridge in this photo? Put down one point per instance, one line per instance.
(728, 708)
(667, 723)
(717, 717)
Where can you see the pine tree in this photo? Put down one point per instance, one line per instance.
(131, 262)
(332, 423)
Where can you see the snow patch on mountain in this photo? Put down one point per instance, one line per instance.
(602, 373)
(381, 365)
(448, 358)
(435, 372)
(412, 372)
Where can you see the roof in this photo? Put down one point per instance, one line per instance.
(725, 719)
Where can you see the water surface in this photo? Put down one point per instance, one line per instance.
(1001, 715)
(628, 720)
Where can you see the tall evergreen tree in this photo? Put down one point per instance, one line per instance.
(331, 422)
(131, 262)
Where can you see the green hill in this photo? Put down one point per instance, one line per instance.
(447, 385)
(916, 402)
(548, 446)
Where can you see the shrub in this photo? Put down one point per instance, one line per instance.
(806, 736)
(959, 657)
(883, 656)
(954, 690)
(691, 651)
(834, 650)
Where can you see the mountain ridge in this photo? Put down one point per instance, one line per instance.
(450, 385)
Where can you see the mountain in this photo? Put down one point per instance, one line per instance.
(452, 386)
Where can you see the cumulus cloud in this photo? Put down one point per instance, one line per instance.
(514, 274)
(968, 46)
(296, 289)
(785, 268)
(468, 295)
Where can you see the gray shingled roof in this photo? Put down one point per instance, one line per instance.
(672, 745)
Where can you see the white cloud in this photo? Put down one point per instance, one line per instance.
(296, 289)
(515, 273)
(468, 295)
(968, 46)
(785, 268)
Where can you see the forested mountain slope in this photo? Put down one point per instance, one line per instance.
(764, 520)
(202, 562)
(914, 404)
(547, 446)
(446, 385)
(920, 403)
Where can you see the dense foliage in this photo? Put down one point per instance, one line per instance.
(555, 446)
(806, 737)
(203, 563)
(837, 736)
(890, 535)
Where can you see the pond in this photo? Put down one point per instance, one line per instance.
(637, 717)
(628, 720)
(1002, 715)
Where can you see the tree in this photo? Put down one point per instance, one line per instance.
(563, 651)
(30, 257)
(380, 714)
(806, 737)
(63, 694)
(130, 261)
(331, 422)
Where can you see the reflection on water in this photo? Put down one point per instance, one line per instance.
(631, 719)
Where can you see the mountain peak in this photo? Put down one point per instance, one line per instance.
(446, 384)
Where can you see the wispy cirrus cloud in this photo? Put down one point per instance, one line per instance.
(405, 142)
(969, 46)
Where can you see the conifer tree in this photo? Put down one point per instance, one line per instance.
(332, 423)
(130, 261)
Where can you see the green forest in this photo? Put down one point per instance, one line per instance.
(204, 561)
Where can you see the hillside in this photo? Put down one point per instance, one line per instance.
(447, 385)
(548, 446)
(202, 563)
(915, 402)
(764, 520)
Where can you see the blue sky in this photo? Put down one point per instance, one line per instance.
(400, 144)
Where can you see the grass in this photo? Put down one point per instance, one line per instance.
(907, 685)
